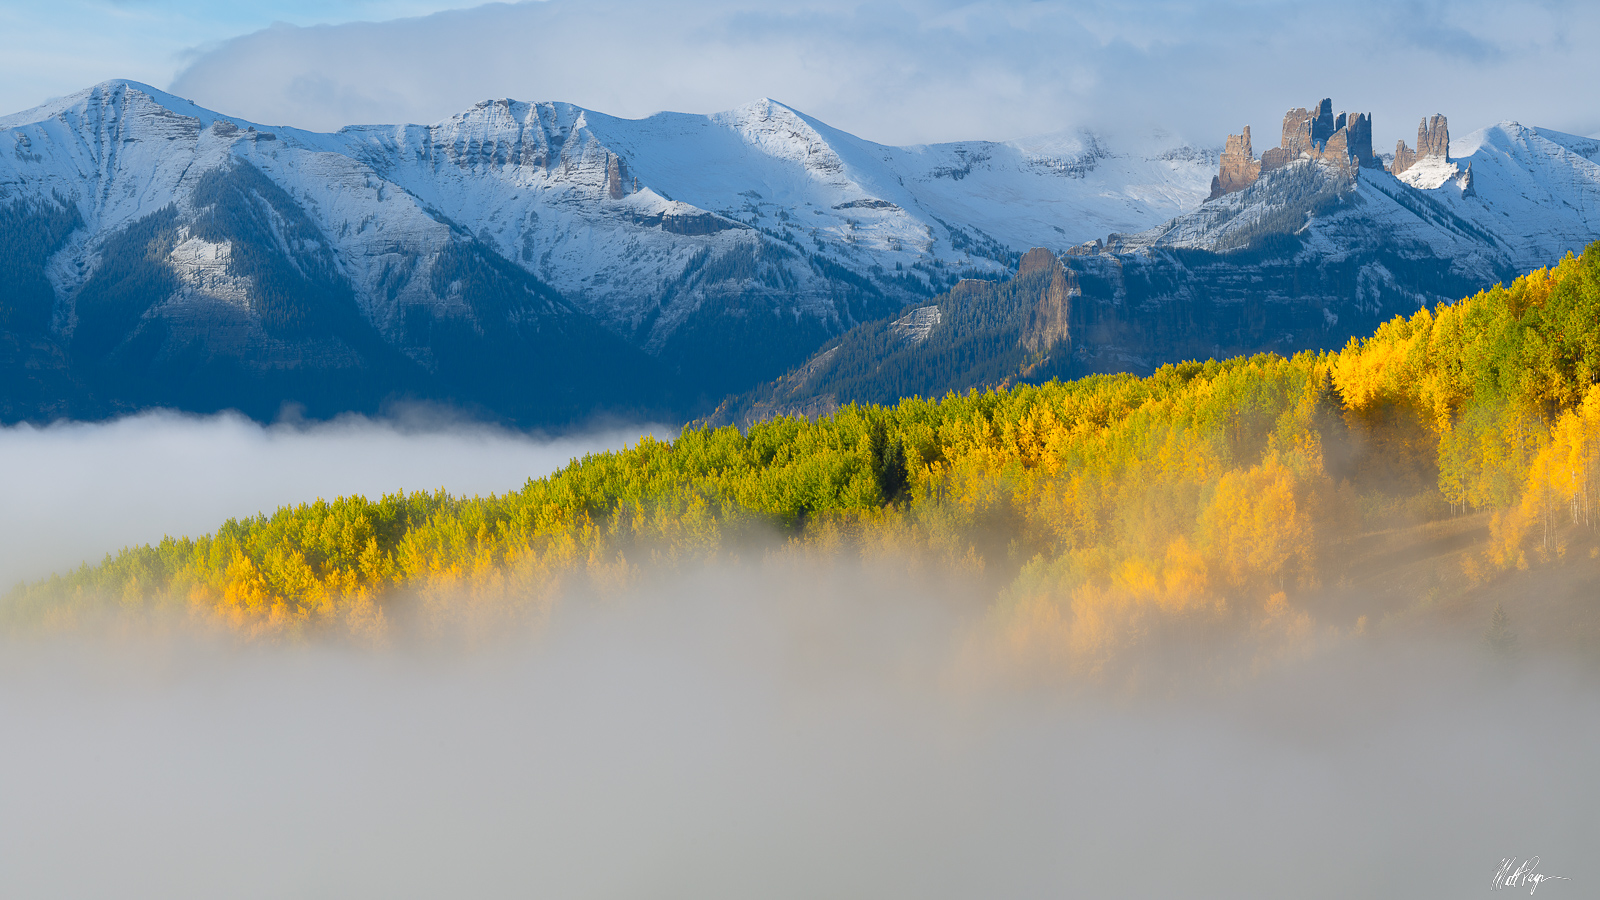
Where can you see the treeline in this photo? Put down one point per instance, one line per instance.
(1106, 514)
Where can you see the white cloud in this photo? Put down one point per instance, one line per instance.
(927, 70)
(73, 492)
(62, 46)
(776, 731)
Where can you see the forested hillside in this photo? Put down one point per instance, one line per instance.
(979, 334)
(1248, 500)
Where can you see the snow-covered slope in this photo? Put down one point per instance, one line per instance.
(612, 211)
(1519, 197)
(1307, 257)
(545, 249)
(1536, 190)
(726, 245)
(1313, 254)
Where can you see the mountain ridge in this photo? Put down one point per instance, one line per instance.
(540, 263)
(1303, 255)
(716, 249)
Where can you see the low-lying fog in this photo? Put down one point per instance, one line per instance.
(72, 492)
(767, 729)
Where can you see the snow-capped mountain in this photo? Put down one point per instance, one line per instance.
(1313, 254)
(1525, 196)
(723, 247)
(1307, 257)
(539, 179)
(542, 262)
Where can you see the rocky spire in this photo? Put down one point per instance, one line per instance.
(1404, 158)
(616, 177)
(1351, 143)
(1322, 125)
(1343, 140)
(1299, 125)
(1433, 139)
(1239, 167)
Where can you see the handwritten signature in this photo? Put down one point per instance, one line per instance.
(1512, 875)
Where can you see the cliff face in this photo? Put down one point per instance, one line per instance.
(1344, 140)
(1049, 320)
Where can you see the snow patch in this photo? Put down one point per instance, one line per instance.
(1430, 173)
(202, 268)
(914, 327)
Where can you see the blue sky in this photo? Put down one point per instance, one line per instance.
(897, 71)
(60, 46)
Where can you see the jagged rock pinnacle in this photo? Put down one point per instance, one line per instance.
(1344, 140)
(1433, 139)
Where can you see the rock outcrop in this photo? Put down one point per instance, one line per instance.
(1344, 140)
(914, 327)
(1433, 140)
(979, 334)
(1433, 137)
(617, 185)
(1049, 321)
(1239, 168)
(1037, 260)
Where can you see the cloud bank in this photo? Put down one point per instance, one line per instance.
(907, 71)
(66, 45)
(76, 491)
(741, 732)
(784, 726)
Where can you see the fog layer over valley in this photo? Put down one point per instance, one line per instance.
(73, 492)
(780, 729)
(1265, 627)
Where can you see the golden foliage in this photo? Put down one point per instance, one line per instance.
(1103, 510)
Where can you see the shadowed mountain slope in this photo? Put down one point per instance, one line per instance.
(1304, 258)
(538, 262)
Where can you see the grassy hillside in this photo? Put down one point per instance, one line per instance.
(1258, 501)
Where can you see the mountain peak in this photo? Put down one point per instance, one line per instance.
(113, 97)
(767, 106)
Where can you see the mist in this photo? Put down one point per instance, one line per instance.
(779, 729)
(72, 492)
(778, 722)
